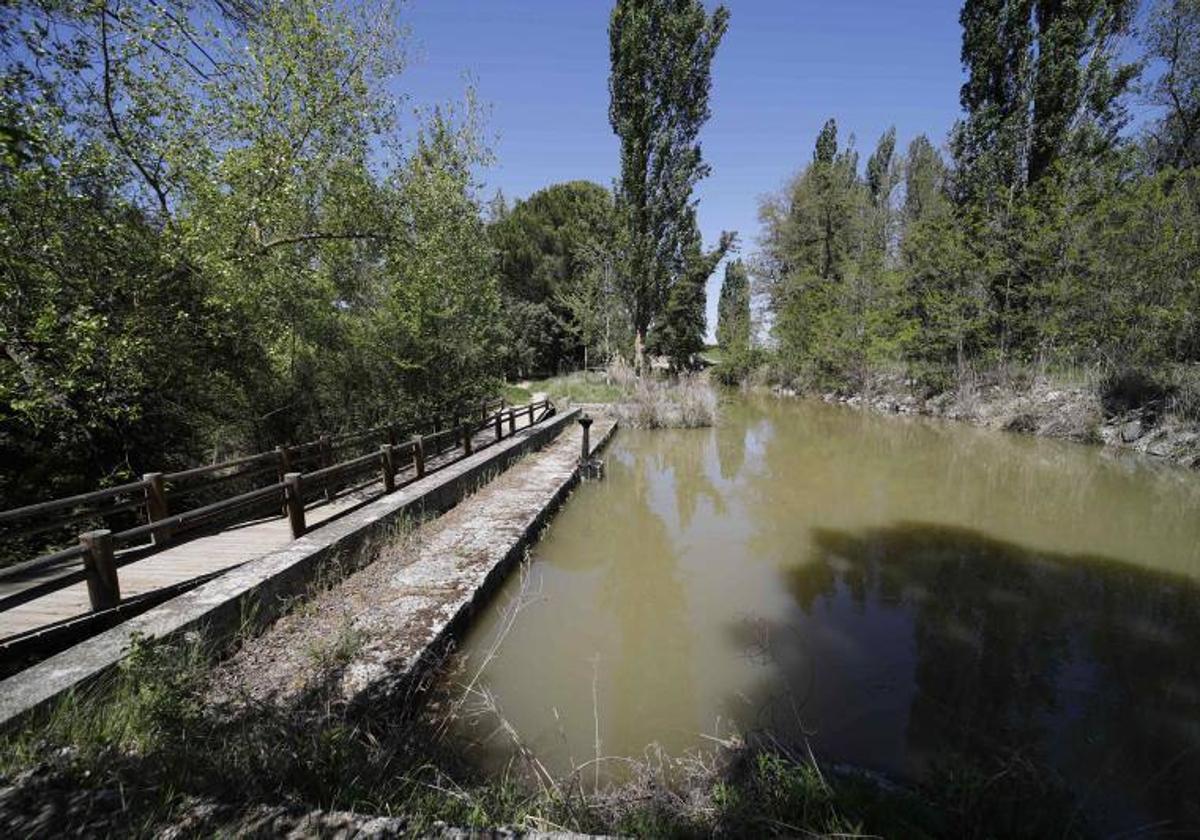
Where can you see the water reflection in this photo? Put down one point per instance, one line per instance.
(645, 670)
(1083, 663)
(760, 574)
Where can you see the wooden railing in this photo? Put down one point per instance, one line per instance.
(295, 476)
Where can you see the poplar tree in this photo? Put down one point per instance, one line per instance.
(733, 309)
(1043, 81)
(661, 55)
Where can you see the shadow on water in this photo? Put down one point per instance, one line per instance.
(958, 647)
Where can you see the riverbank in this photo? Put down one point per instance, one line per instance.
(1130, 416)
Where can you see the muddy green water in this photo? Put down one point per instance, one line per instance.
(897, 591)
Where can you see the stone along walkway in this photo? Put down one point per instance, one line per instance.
(374, 629)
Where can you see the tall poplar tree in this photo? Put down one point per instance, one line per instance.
(661, 53)
(1043, 82)
(733, 309)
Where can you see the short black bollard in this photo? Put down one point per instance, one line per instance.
(586, 422)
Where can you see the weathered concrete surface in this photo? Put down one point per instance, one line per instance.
(262, 587)
(371, 637)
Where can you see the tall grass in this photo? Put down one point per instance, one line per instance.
(687, 402)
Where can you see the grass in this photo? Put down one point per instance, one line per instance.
(649, 402)
(516, 394)
(688, 402)
(580, 387)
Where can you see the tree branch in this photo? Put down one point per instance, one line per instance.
(115, 124)
(319, 236)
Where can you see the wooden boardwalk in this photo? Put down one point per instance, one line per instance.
(192, 558)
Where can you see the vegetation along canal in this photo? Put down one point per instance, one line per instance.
(901, 594)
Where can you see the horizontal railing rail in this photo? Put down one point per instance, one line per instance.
(203, 482)
(290, 492)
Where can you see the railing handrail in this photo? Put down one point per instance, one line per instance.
(107, 493)
(14, 514)
(320, 479)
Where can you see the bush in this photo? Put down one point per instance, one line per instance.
(737, 368)
(1132, 389)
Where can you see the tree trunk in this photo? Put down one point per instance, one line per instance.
(639, 351)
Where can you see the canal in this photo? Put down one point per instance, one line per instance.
(899, 593)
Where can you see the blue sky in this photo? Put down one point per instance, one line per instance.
(785, 66)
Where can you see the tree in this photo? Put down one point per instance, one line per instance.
(926, 180)
(211, 240)
(679, 333)
(1043, 103)
(661, 56)
(1042, 82)
(1173, 39)
(812, 244)
(733, 309)
(545, 246)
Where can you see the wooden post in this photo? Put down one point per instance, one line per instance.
(156, 506)
(512, 421)
(284, 456)
(499, 427)
(326, 450)
(388, 463)
(293, 494)
(419, 454)
(466, 438)
(104, 590)
(483, 412)
(531, 414)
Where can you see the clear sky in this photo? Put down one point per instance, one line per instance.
(785, 66)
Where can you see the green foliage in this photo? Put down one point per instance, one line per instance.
(580, 387)
(733, 309)
(1052, 239)
(737, 357)
(212, 240)
(661, 54)
(1042, 84)
(829, 265)
(678, 333)
(554, 251)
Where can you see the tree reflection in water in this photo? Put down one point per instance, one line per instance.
(1086, 665)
